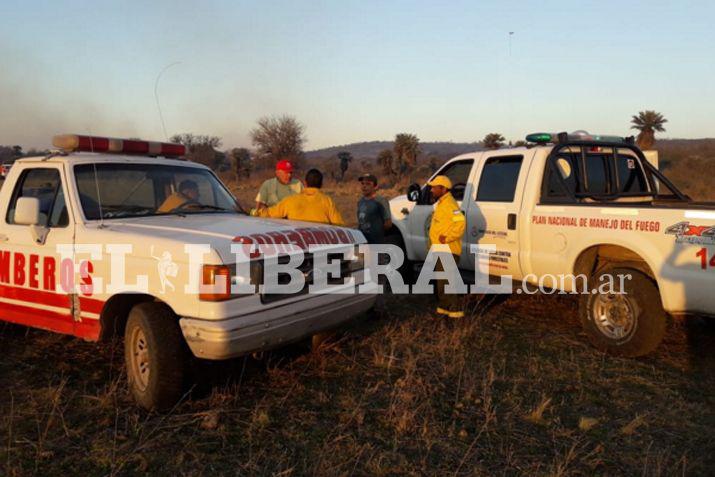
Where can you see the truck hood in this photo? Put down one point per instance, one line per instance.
(221, 230)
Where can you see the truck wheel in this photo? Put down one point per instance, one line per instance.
(629, 324)
(155, 355)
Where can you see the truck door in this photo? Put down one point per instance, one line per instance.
(493, 211)
(29, 290)
(420, 217)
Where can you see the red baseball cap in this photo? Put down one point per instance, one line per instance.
(284, 166)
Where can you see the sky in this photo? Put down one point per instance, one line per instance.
(353, 71)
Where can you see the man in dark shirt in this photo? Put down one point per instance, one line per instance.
(373, 212)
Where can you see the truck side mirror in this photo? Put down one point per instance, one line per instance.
(413, 192)
(27, 211)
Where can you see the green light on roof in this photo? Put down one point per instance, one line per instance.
(539, 138)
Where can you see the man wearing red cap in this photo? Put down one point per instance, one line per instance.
(281, 186)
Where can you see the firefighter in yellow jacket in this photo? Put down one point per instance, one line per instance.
(310, 205)
(447, 228)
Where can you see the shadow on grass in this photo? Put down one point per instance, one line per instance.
(700, 334)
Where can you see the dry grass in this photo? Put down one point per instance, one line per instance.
(506, 391)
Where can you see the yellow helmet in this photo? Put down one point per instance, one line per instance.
(441, 181)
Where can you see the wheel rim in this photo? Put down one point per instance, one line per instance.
(139, 358)
(614, 315)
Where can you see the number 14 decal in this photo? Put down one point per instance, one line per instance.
(704, 263)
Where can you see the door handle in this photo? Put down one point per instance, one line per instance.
(511, 221)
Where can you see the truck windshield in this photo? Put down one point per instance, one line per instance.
(118, 190)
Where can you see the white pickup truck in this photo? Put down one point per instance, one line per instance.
(69, 219)
(580, 205)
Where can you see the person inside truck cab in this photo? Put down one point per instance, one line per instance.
(187, 194)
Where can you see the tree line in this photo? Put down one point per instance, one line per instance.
(283, 137)
(11, 153)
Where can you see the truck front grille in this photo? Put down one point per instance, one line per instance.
(306, 268)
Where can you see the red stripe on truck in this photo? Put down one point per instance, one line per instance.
(36, 296)
(46, 320)
(59, 300)
(50, 321)
(90, 305)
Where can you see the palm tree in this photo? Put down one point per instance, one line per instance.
(385, 160)
(493, 141)
(407, 148)
(345, 158)
(647, 122)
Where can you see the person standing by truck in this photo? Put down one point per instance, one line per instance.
(278, 188)
(373, 211)
(447, 228)
(310, 205)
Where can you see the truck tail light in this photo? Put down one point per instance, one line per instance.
(210, 276)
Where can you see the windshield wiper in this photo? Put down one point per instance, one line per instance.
(214, 207)
(116, 211)
(200, 208)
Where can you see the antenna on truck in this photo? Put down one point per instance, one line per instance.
(156, 96)
(96, 182)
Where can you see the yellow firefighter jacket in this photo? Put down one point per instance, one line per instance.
(448, 221)
(310, 205)
(174, 201)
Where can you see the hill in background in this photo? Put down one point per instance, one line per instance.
(370, 150)
(672, 148)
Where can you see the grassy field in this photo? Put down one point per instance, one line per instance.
(514, 388)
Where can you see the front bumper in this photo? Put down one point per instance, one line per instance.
(274, 327)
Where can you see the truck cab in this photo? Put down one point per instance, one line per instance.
(486, 184)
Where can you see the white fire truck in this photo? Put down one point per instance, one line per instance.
(89, 248)
(574, 205)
